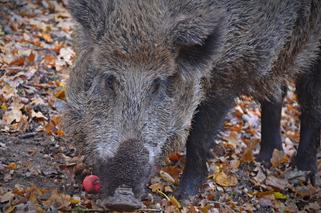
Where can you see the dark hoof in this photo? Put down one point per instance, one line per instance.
(264, 159)
(265, 156)
(310, 165)
(123, 200)
(189, 187)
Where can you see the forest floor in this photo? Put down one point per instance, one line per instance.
(41, 172)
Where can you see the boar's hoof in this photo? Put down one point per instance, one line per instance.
(308, 164)
(123, 200)
(264, 159)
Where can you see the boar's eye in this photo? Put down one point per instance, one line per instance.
(110, 82)
(156, 85)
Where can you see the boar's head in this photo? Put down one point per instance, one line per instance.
(137, 81)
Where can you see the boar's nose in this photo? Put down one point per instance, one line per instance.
(122, 200)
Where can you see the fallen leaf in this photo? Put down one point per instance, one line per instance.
(75, 200)
(235, 164)
(31, 57)
(280, 196)
(226, 180)
(49, 60)
(47, 37)
(174, 156)
(60, 94)
(18, 62)
(278, 158)
(38, 115)
(11, 209)
(12, 115)
(12, 166)
(175, 202)
(260, 176)
(167, 177)
(157, 187)
(276, 182)
(6, 197)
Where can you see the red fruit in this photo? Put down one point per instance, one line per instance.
(92, 184)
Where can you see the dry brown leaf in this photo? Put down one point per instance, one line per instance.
(173, 171)
(278, 158)
(60, 94)
(276, 182)
(305, 191)
(156, 187)
(247, 156)
(47, 37)
(174, 156)
(7, 91)
(235, 164)
(49, 60)
(260, 176)
(31, 57)
(60, 133)
(12, 166)
(14, 114)
(18, 62)
(6, 197)
(225, 180)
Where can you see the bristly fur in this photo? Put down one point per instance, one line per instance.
(144, 67)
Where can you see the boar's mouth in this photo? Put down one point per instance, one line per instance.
(122, 200)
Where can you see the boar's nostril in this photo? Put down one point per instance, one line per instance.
(123, 200)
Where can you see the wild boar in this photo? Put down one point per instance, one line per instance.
(152, 76)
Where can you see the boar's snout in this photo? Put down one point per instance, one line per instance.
(122, 200)
(125, 175)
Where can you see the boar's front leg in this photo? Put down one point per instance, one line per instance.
(309, 94)
(207, 121)
(271, 127)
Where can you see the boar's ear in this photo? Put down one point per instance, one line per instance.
(91, 14)
(197, 37)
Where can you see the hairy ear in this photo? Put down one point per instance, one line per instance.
(197, 34)
(91, 14)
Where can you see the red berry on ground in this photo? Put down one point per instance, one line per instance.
(92, 184)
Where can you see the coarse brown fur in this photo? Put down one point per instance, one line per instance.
(144, 67)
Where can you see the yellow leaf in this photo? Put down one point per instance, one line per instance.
(163, 194)
(3, 107)
(60, 94)
(75, 200)
(175, 202)
(280, 196)
(10, 209)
